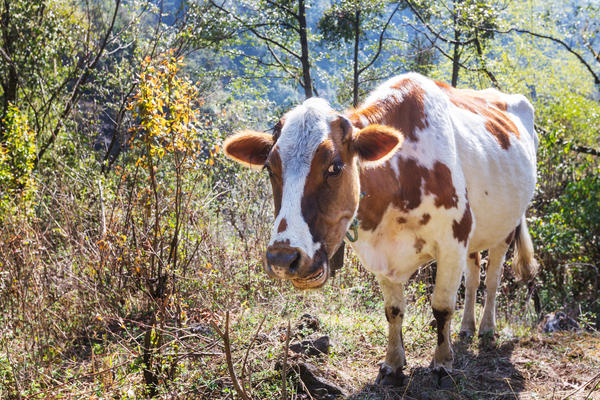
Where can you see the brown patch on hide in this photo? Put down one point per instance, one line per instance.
(383, 188)
(418, 245)
(476, 257)
(401, 220)
(392, 312)
(425, 219)
(282, 226)
(488, 105)
(439, 183)
(406, 115)
(274, 164)
(462, 228)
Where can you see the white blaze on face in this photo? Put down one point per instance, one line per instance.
(305, 127)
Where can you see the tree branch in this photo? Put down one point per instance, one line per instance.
(380, 43)
(255, 32)
(555, 40)
(76, 88)
(438, 35)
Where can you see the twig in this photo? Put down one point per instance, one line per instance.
(225, 336)
(250, 347)
(284, 366)
(582, 386)
(102, 208)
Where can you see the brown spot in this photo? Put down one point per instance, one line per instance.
(406, 115)
(476, 257)
(488, 105)
(274, 163)
(510, 237)
(282, 226)
(401, 220)
(462, 228)
(486, 192)
(425, 219)
(439, 183)
(418, 245)
(383, 188)
(441, 318)
(391, 313)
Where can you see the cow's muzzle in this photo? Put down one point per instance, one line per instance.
(293, 264)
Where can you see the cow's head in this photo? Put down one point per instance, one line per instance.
(313, 162)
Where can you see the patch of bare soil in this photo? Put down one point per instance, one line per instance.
(561, 365)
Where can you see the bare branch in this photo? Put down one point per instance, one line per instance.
(380, 43)
(255, 32)
(76, 88)
(555, 40)
(438, 35)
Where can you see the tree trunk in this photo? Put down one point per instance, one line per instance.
(9, 83)
(356, 73)
(308, 89)
(456, 52)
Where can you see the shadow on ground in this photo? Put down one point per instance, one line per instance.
(483, 372)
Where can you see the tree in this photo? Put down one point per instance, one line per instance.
(349, 21)
(472, 24)
(49, 50)
(283, 31)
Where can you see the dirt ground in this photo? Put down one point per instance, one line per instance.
(561, 365)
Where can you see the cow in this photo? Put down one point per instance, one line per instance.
(429, 172)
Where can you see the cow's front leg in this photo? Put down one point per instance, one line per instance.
(450, 267)
(390, 372)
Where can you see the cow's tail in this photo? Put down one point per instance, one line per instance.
(525, 265)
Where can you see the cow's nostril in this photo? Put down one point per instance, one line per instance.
(283, 258)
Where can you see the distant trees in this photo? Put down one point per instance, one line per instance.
(282, 30)
(463, 25)
(349, 21)
(48, 52)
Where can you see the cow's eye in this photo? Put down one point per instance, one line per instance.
(335, 168)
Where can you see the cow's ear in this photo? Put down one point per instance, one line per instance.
(376, 143)
(249, 148)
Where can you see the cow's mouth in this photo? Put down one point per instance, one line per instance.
(314, 280)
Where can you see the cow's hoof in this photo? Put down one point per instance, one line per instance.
(388, 377)
(443, 378)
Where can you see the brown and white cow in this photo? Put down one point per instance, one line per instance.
(429, 171)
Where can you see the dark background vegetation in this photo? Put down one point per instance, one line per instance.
(131, 250)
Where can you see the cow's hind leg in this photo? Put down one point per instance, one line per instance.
(451, 264)
(467, 327)
(390, 372)
(492, 280)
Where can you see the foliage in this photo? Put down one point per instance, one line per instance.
(17, 156)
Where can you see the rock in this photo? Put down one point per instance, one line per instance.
(312, 347)
(317, 386)
(307, 324)
(202, 329)
(559, 321)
